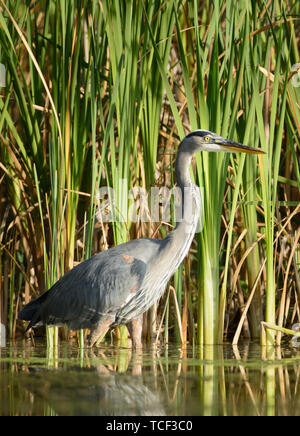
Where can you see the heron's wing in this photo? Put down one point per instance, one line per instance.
(94, 289)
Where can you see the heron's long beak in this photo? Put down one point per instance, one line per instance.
(231, 146)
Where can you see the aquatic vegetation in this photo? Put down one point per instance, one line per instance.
(97, 96)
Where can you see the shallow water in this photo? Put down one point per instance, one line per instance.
(171, 381)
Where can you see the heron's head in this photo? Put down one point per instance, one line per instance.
(204, 140)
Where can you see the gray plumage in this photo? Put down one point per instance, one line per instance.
(118, 285)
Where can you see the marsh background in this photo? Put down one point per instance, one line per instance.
(99, 92)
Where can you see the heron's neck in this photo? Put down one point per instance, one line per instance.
(180, 239)
(182, 169)
(190, 198)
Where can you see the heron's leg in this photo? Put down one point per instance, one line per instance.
(135, 330)
(99, 332)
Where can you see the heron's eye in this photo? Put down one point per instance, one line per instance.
(207, 138)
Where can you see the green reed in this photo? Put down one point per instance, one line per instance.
(98, 94)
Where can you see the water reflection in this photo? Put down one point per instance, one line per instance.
(244, 380)
(93, 392)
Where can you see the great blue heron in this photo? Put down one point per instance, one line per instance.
(117, 286)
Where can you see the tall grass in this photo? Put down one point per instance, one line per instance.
(99, 94)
